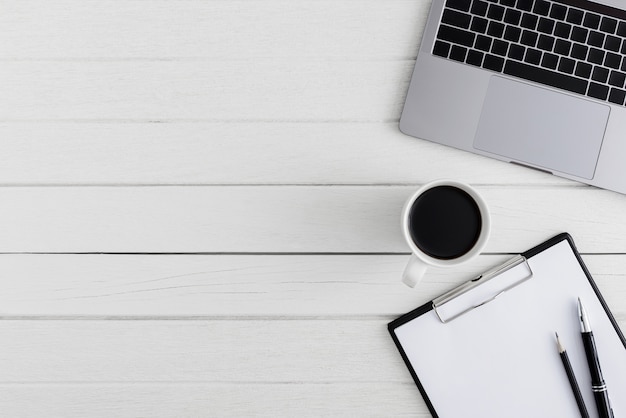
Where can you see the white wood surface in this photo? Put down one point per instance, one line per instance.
(222, 29)
(205, 399)
(199, 208)
(240, 287)
(286, 219)
(307, 153)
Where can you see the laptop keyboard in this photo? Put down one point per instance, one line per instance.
(581, 49)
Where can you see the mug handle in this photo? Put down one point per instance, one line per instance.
(414, 271)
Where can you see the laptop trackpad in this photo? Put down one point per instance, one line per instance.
(541, 127)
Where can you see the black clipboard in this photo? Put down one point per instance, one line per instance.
(424, 346)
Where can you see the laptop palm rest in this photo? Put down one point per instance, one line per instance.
(540, 127)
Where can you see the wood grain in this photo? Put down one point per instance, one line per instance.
(207, 351)
(212, 399)
(204, 89)
(72, 29)
(242, 286)
(239, 153)
(201, 351)
(289, 219)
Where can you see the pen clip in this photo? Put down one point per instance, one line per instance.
(482, 290)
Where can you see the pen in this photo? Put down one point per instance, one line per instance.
(597, 381)
(572, 379)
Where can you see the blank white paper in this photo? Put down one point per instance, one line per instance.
(501, 359)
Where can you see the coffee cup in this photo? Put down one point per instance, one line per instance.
(445, 223)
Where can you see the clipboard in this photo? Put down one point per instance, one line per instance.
(487, 348)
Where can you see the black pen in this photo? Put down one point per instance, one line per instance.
(572, 378)
(597, 381)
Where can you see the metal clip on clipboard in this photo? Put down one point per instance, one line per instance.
(482, 290)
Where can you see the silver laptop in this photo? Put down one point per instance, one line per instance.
(533, 82)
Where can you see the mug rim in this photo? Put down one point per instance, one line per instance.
(485, 229)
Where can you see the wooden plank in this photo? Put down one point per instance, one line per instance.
(222, 285)
(216, 29)
(269, 153)
(290, 219)
(223, 400)
(232, 286)
(204, 89)
(199, 351)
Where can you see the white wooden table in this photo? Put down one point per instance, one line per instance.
(199, 208)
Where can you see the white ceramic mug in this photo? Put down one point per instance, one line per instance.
(420, 260)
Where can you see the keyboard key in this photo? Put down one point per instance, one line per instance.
(591, 21)
(621, 29)
(495, 29)
(529, 21)
(598, 91)
(455, 35)
(454, 18)
(562, 30)
(529, 38)
(508, 3)
(546, 77)
(612, 60)
(479, 25)
(441, 49)
(595, 39)
(579, 35)
(493, 63)
(495, 12)
(533, 56)
(608, 25)
(545, 42)
(526, 5)
(462, 5)
(458, 53)
(479, 8)
(542, 7)
(562, 47)
(617, 96)
(550, 61)
(517, 52)
(623, 50)
(583, 70)
(617, 79)
(545, 25)
(612, 43)
(574, 16)
(579, 51)
(474, 58)
(600, 74)
(596, 56)
(512, 16)
(483, 43)
(558, 11)
(500, 47)
(566, 65)
(623, 66)
(512, 33)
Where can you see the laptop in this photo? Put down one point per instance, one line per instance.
(532, 82)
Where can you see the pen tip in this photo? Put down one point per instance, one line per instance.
(582, 315)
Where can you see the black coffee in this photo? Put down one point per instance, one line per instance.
(445, 222)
